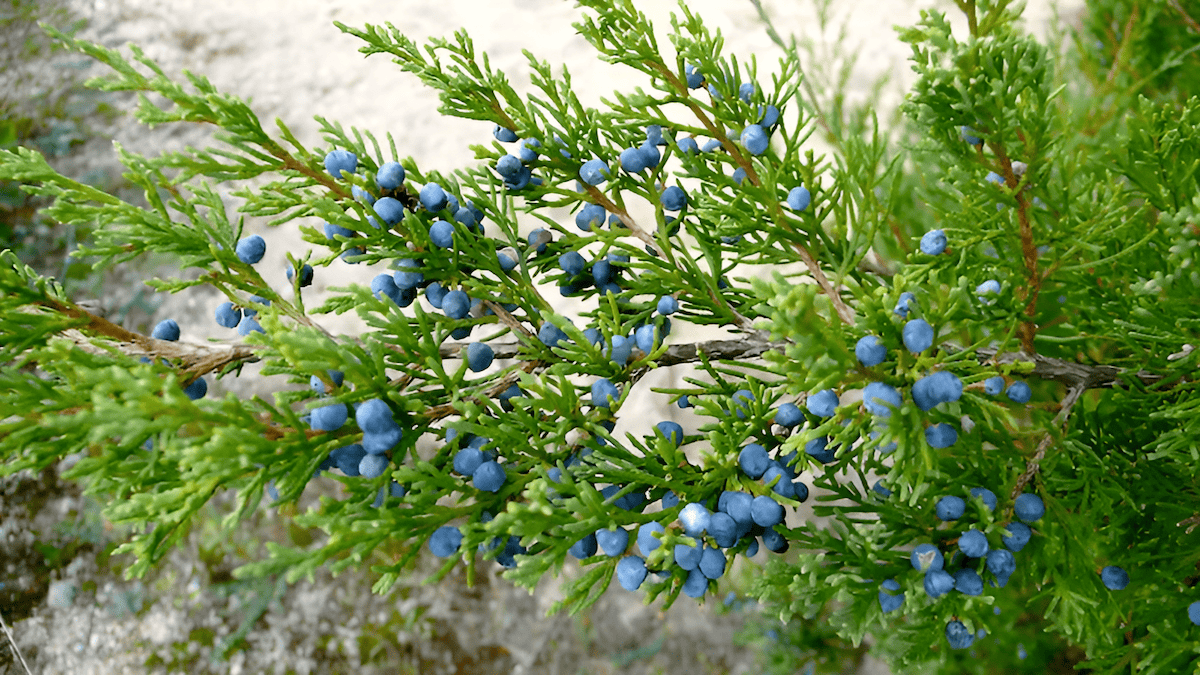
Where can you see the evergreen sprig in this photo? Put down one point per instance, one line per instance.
(1065, 272)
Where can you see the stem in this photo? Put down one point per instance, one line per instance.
(13, 642)
(843, 311)
(197, 359)
(1034, 464)
(1186, 17)
(290, 162)
(766, 19)
(1028, 329)
(968, 8)
(740, 349)
(599, 197)
(1070, 373)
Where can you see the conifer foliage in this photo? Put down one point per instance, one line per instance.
(972, 348)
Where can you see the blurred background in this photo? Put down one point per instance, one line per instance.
(61, 589)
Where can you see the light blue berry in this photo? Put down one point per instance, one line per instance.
(822, 403)
(993, 385)
(227, 315)
(788, 415)
(613, 542)
(604, 393)
(941, 435)
(1019, 392)
(338, 161)
(870, 351)
(918, 335)
(330, 417)
(166, 329)
(926, 557)
(489, 476)
(590, 216)
(631, 572)
(673, 198)
(799, 198)
(445, 541)
(879, 399)
(766, 512)
(933, 242)
(433, 197)
(197, 389)
(988, 288)
(509, 167)
(633, 160)
(988, 497)
(973, 544)
(390, 176)
(1017, 537)
(938, 583)
(249, 325)
(904, 304)
(372, 466)
(888, 600)
(951, 508)
(594, 172)
(756, 141)
(479, 356)
(1029, 507)
(572, 262)
(754, 461)
(937, 388)
(456, 304)
(712, 563)
(695, 519)
(251, 249)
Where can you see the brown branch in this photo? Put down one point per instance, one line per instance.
(747, 348)
(196, 359)
(1069, 373)
(599, 198)
(1186, 17)
(1191, 523)
(290, 162)
(508, 319)
(843, 311)
(199, 359)
(437, 412)
(814, 268)
(1033, 464)
(1029, 292)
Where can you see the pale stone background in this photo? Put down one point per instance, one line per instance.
(286, 56)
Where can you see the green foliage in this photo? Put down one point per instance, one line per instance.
(1083, 215)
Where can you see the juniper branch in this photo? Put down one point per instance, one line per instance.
(1033, 465)
(196, 360)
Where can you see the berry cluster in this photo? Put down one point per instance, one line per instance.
(696, 545)
(701, 171)
(443, 251)
(976, 557)
(689, 542)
